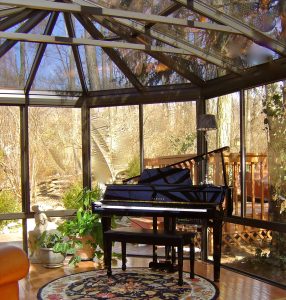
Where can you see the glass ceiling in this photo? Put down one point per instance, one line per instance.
(97, 45)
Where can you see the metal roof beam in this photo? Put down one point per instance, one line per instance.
(40, 52)
(245, 29)
(255, 76)
(61, 40)
(71, 32)
(150, 96)
(15, 19)
(107, 12)
(180, 68)
(211, 57)
(31, 23)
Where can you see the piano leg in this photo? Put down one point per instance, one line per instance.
(155, 257)
(217, 236)
(123, 250)
(180, 262)
(108, 256)
(106, 225)
(192, 259)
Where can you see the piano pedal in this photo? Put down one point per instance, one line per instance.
(163, 265)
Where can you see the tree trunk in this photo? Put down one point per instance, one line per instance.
(92, 67)
(224, 112)
(72, 72)
(22, 74)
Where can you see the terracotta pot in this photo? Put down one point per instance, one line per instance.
(87, 250)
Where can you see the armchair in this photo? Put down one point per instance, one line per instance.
(14, 266)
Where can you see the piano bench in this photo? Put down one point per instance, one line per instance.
(149, 237)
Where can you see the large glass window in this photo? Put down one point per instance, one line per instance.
(256, 144)
(10, 183)
(170, 129)
(55, 155)
(275, 126)
(114, 144)
(226, 109)
(253, 250)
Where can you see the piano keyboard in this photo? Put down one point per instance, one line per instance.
(105, 206)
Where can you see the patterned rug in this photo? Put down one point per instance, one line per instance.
(134, 283)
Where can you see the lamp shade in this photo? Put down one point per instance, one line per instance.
(206, 122)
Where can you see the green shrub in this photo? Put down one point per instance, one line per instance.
(71, 198)
(133, 168)
(9, 203)
(183, 144)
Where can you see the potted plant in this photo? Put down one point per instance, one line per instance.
(84, 230)
(53, 248)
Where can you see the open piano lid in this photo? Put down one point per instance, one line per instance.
(168, 186)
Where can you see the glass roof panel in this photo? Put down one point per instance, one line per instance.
(229, 50)
(60, 27)
(101, 72)
(205, 70)
(214, 49)
(148, 70)
(16, 63)
(147, 6)
(12, 74)
(267, 16)
(57, 70)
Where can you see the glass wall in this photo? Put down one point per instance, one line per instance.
(114, 144)
(55, 162)
(10, 183)
(256, 144)
(252, 250)
(226, 108)
(55, 150)
(170, 129)
(255, 250)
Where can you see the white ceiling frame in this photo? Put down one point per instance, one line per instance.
(176, 42)
(61, 40)
(100, 11)
(252, 33)
(16, 97)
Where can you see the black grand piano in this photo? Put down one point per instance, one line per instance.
(169, 192)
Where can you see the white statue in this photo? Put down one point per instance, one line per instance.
(42, 224)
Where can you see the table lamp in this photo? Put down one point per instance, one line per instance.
(206, 122)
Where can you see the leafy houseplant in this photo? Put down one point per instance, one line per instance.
(85, 227)
(53, 248)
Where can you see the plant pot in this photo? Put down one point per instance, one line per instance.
(50, 259)
(86, 252)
